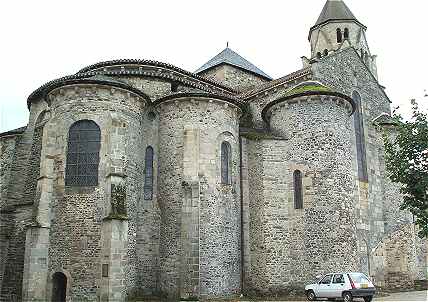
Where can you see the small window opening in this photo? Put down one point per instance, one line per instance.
(346, 34)
(225, 163)
(298, 192)
(339, 35)
(325, 52)
(148, 174)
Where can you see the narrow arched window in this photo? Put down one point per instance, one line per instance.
(84, 140)
(325, 52)
(339, 35)
(319, 55)
(298, 191)
(360, 138)
(346, 34)
(148, 174)
(225, 163)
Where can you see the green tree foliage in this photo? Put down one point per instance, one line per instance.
(407, 163)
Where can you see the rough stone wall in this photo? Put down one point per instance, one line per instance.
(300, 243)
(233, 77)
(19, 213)
(325, 37)
(395, 260)
(345, 72)
(77, 212)
(153, 88)
(190, 136)
(256, 103)
(7, 150)
(148, 234)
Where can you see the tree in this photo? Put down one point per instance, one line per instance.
(407, 163)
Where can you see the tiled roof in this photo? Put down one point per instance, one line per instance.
(154, 63)
(228, 56)
(14, 131)
(335, 10)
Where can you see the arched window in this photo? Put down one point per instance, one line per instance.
(225, 163)
(325, 52)
(319, 55)
(298, 192)
(360, 138)
(83, 150)
(346, 34)
(148, 174)
(339, 35)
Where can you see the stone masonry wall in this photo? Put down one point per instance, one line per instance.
(395, 261)
(148, 234)
(345, 72)
(190, 136)
(233, 77)
(301, 243)
(77, 212)
(19, 206)
(7, 150)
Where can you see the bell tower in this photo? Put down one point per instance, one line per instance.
(338, 28)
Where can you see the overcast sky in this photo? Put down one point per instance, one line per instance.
(43, 40)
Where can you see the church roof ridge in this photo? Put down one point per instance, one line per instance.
(230, 57)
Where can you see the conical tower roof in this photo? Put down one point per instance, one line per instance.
(228, 56)
(335, 10)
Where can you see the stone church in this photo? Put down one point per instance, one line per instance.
(137, 178)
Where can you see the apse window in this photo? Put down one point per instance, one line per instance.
(148, 174)
(225, 159)
(298, 192)
(104, 270)
(84, 140)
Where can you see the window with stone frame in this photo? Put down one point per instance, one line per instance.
(298, 189)
(225, 159)
(148, 174)
(339, 35)
(83, 148)
(360, 138)
(346, 34)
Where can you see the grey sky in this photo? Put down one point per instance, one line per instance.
(43, 40)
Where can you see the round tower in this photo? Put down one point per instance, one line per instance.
(337, 28)
(320, 224)
(91, 152)
(199, 191)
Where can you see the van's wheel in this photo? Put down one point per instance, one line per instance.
(368, 299)
(311, 295)
(347, 297)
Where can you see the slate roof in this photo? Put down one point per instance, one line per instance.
(228, 56)
(14, 131)
(335, 10)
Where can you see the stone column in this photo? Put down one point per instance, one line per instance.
(36, 259)
(36, 264)
(114, 259)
